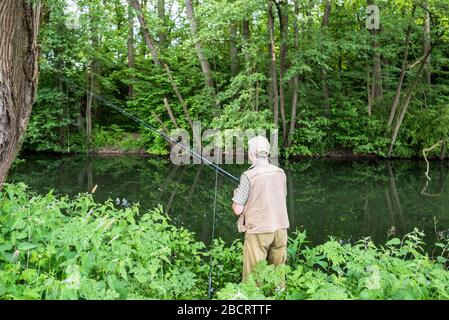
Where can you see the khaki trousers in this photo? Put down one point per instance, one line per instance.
(264, 246)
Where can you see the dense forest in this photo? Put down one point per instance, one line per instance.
(311, 68)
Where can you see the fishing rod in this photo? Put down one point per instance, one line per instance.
(209, 163)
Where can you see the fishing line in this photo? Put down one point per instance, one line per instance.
(210, 289)
(209, 163)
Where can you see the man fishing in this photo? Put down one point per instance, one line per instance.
(260, 203)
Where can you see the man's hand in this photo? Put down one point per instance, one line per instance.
(238, 209)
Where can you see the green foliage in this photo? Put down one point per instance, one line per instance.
(227, 262)
(356, 131)
(60, 248)
(233, 117)
(310, 137)
(54, 248)
(49, 127)
(340, 55)
(333, 270)
(114, 138)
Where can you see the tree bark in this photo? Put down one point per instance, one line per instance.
(407, 102)
(19, 25)
(294, 102)
(205, 66)
(89, 105)
(146, 34)
(282, 10)
(273, 65)
(178, 94)
(324, 25)
(92, 74)
(130, 46)
(377, 65)
(170, 113)
(233, 53)
(150, 44)
(246, 34)
(162, 25)
(368, 89)
(161, 123)
(426, 45)
(378, 90)
(401, 77)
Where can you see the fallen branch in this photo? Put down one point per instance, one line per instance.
(170, 113)
(425, 151)
(178, 94)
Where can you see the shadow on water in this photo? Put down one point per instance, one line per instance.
(345, 199)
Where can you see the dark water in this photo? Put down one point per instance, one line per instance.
(344, 199)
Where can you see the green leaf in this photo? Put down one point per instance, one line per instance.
(26, 246)
(441, 259)
(6, 247)
(393, 242)
(31, 294)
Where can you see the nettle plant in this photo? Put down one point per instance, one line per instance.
(56, 248)
(59, 248)
(398, 270)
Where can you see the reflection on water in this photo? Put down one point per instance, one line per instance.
(344, 199)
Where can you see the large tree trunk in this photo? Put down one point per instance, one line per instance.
(273, 65)
(19, 25)
(130, 46)
(205, 66)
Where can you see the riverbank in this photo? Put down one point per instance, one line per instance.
(74, 248)
(114, 140)
(344, 156)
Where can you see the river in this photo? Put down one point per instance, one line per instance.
(341, 198)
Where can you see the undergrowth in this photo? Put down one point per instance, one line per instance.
(60, 248)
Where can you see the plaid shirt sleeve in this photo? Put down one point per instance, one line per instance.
(242, 193)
